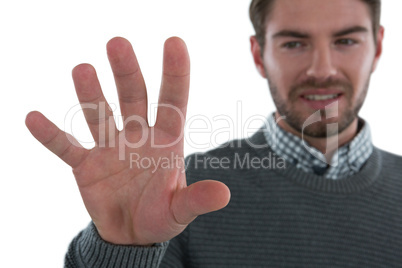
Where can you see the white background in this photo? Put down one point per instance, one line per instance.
(41, 41)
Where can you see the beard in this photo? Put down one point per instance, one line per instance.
(320, 129)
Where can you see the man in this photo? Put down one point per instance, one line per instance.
(333, 199)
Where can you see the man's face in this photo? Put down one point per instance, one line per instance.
(317, 53)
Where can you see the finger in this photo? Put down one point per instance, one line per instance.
(199, 198)
(173, 95)
(128, 78)
(97, 112)
(60, 143)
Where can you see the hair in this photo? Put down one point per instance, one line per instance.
(261, 9)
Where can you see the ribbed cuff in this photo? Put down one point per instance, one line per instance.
(93, 251)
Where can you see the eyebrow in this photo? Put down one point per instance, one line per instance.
(355, 29)
(299, 34)
(291, 33)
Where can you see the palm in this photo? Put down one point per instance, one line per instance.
(105, 184)
(134, 191)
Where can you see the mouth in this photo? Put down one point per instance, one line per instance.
(319, 99)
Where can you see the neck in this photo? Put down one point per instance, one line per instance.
(327, 145)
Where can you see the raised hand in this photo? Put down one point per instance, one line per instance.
(133, 201)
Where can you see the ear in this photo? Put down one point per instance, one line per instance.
(256, 52)
(380, 38)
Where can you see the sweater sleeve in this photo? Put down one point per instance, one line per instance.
(177, 254)
(88, 249)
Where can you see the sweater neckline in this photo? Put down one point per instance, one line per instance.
(358, 182)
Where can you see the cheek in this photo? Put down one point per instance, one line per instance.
(282, 71)
(359, 70)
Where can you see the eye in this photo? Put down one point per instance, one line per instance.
(292, 45)
(345, 42)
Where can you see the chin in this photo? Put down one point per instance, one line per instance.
(328, 127)
(320, 130)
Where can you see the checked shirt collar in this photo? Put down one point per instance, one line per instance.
(348, 160)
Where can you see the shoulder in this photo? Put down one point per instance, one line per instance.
(220, 159)
(390, 160)
(236, 160)
(226, 150)
(238, 146)
(394, 158)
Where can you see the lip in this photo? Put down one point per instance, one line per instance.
(322, 91)
(321, 104)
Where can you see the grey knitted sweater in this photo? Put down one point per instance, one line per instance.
(278, 216)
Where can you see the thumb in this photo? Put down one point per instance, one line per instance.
(199, 198)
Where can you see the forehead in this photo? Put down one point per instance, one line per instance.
(317, 16)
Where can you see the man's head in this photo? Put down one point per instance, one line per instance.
(315, 53)
(260, 11)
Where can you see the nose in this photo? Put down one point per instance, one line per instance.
(321, 66)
